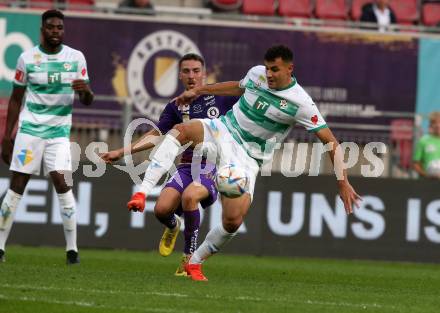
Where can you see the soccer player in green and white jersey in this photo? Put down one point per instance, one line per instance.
(47, 76)
(271, 103)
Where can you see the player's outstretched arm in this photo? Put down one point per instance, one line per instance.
(347, 193)
(84, 92)
(231, 88)
(147, 141)
(13, 112)
(419, 169)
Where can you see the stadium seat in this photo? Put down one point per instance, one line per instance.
(41, 4)
(226, 5)
(356, 8)
(80, 5)
(295, 8)
(431, 14)
(331, 9)
(405, 10)
(259, 7)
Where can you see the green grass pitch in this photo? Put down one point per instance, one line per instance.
(37, 280)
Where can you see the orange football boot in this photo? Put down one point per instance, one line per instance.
(195, 272)
(137, 202)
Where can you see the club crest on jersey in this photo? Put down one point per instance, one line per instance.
(283, 104)
(157, 55)
(67, 66)
(213, 112)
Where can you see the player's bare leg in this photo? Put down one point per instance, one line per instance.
(163, 159)
(234, 210)
(167, 203)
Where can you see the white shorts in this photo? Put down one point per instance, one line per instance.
(29, 151)
(218, 141)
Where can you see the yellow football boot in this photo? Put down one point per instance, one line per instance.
(166, 245)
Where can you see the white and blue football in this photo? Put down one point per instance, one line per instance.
(232, 181)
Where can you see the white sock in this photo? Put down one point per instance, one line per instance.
(68, 215)
(214, 241)
(161, 162)
(7, 213)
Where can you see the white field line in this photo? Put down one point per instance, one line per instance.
(311, 302)
(215, 297)
(88, 304)
(48, 288)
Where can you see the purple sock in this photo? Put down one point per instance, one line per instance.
(168, 221)
(191, 233)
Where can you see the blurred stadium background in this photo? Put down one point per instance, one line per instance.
(371, 87)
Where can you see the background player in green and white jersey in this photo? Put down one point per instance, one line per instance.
(271, 103)
(47, 76)
(427, 154)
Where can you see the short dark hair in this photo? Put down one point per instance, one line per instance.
(191, 56)
(279, 51)
(51, 13)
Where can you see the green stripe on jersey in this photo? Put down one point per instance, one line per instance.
(59, 110)
(44, 131)
(237, 138)
(314, 130)
(52, 67)
(258, 117)
(281, 104)
(52, 89)
(234, 127)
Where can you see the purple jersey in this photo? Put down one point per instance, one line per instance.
(206, 106)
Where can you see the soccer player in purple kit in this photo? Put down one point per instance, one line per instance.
(182, 193)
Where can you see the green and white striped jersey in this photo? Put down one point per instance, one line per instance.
(47, 111)
(263, 117)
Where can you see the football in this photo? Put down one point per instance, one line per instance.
(232, 181)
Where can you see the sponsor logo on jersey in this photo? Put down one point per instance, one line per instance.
(19, 76)
(83, 72)
(314, 119)
(261, 105)
(208, 97)
(197, 108)
(53, 77)
(37, 59)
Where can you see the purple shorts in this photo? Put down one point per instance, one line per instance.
(207, 180)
